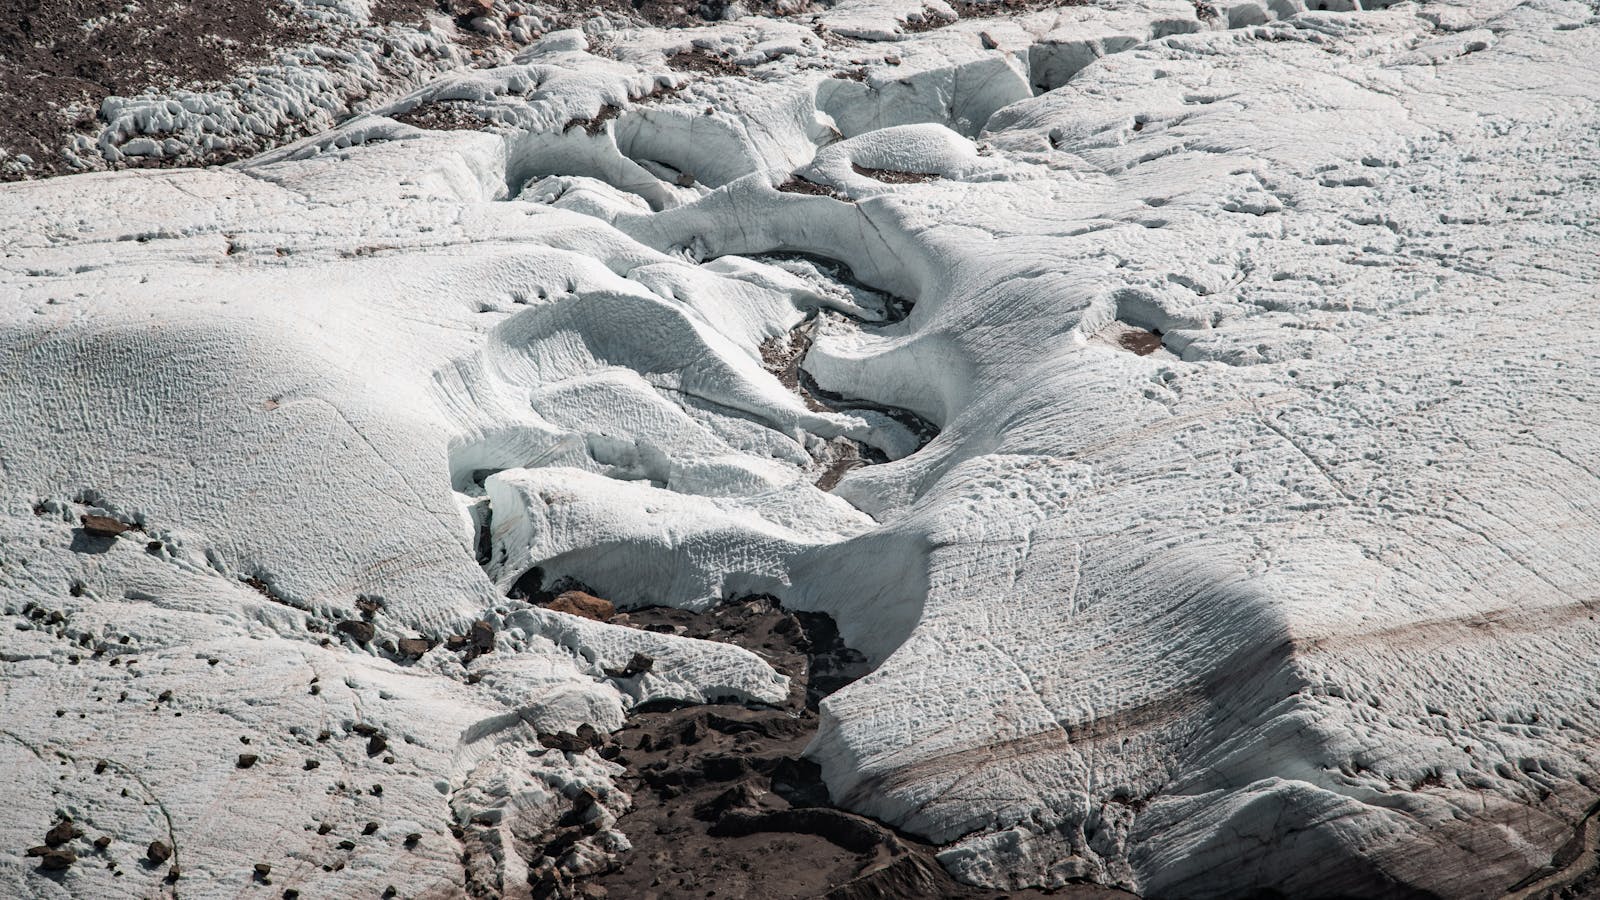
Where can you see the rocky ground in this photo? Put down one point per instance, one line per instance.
(61, 61)
(725, 805)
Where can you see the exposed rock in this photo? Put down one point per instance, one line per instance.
(104, 526)
(53, 859)
(414, 647)
(246, 760)
(62, 832)
(579, 603)
(158, 852)
(563, 740)
(638, 665)
(359, 631)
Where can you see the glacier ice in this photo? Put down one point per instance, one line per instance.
(1303, 599)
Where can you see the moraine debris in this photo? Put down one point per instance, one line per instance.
(414, 648)
(638, 665)
(359, 631)
(52, 859)
(563, 740)
(482, 636)
(62, 832)
(580, 603)
(104, 526)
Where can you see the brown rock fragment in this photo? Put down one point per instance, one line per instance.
(104, 526)
(578, 603)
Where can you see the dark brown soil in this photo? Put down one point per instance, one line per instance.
(704, 62)
(1141, 342)
(56, 53)
(893, 176)
(983, 9)
(724, 805)
(444, 115)
(798, 185)
(927, 20)
(781, 355)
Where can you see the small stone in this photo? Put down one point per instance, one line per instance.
(578, 603)
(262, 870)
(637, 665)
(246, 760)
(347, 845)
(482, 636)
(359, 631)
(311, 764)
(414, 647)
(324, 828)
(100, 767)
(54, 860)
(104, 526)
(102, 842)
(165, 697)
(158, 852)
(291, 894)
(563, 740)
(62, 832)
(389, 892)
(413, 839)
(376, 745)
(590, 735)
(370, 828)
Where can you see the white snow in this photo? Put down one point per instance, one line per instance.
(1305, 600)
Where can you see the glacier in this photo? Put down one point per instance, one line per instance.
(1188, 409)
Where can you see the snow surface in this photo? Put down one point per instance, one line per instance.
(1305, 599)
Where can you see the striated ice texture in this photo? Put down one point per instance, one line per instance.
(1256, 545)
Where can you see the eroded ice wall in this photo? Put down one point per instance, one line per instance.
(1216, 428)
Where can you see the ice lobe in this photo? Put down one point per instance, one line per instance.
(1256, 546)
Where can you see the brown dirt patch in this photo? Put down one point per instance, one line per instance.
(1141, 342)
(63, 52)
(703, 61)
(798, 185)
(892, 176)
(726, 807)
(445, 115)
